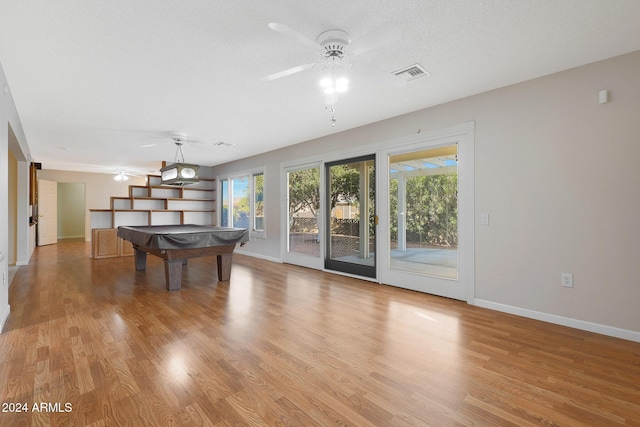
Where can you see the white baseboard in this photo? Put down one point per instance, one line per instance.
(560, 320)
(4, 315)
(255, 255)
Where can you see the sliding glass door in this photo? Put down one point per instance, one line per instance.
(350, 215)
(401, 214)
(303, 216)
(422, 187)
(423, 195)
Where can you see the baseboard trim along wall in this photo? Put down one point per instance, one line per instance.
(560, 320)
(523, 312)
(255, 255)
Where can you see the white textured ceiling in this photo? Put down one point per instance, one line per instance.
(95, 80)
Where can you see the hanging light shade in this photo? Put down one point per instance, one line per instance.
(179, 174)
(333, 81)
(334, 78)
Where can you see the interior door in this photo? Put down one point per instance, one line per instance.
(351, 219)
(47, 212)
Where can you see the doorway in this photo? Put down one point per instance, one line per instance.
(350, 214)
(428, 240)
(71, 210)
(303, 220)
(423, 202)
(47, 212)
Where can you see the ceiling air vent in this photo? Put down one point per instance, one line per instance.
(224, 144)
(413, 72)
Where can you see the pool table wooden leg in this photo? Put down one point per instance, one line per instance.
(224, 267)
(141, 259)
(173, 274)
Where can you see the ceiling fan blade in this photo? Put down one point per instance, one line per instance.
(379, 37)
(123, 174)
(293, 34)
(172, 139)
(374, 72)
(288, 72)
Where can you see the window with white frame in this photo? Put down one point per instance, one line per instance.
(242, 202)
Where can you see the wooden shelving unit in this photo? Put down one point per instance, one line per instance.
(151, 204)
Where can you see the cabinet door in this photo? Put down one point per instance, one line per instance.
(104, 243)
(126, 248)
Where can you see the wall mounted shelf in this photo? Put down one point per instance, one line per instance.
(151, 204)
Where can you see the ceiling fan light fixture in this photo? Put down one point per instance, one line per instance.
(334, 82)
(326, 82)
(342, 84)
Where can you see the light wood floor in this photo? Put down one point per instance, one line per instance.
(283, 345)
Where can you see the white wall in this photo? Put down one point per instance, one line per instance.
(4, 205)
(10, 124)
(99, 188)
(558, 174)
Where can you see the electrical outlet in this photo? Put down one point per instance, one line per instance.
(567, 280)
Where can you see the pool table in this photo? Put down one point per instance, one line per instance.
(177, 243)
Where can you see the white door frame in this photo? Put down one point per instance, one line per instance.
(292, 257)
(463, 135)
(461, 288)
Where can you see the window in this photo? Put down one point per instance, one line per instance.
(224, 196)
(258, 202)
(242, 202)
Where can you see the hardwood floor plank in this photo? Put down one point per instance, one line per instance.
(254, 410)
(285, 345)
(295, 415)
(193, 416)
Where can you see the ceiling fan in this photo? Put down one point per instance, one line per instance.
(335, 46)
(336, 52)
(175, 138)
(122, 174)
(181, 139)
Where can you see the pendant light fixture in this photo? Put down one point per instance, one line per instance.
(179, 174)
